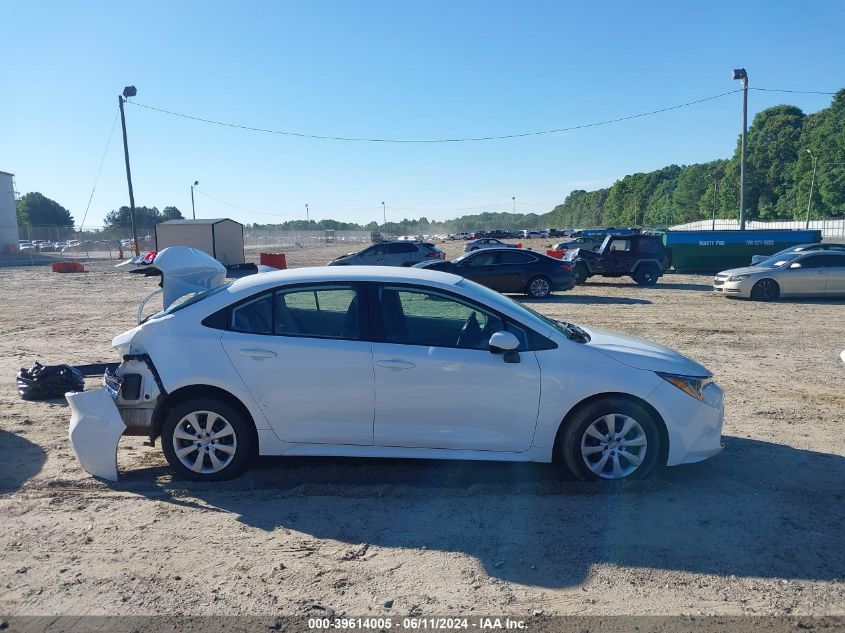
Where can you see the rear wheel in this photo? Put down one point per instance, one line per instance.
(765, 290)
(647, 274)
(539, 287)
(580, 272)
(613, 438)
(206, 439)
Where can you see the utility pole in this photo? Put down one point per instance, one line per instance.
(812, 182)
(742, 75)
(384, 213)
(129, 91)
(193, 207)
(307, 215)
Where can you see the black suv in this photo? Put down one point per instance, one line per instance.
(643, 257)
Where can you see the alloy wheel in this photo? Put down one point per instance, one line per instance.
(614, 446)
(204, 442)
(539, 287)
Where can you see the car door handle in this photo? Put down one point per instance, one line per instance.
(395, 364)
(258, 353)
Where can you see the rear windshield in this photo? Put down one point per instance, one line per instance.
(188, 300)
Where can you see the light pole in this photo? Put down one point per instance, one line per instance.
(812, 182)
(715, 191)
(307, 215)
(742, 75)
(384, 213)
(129, 91)
(193, 207)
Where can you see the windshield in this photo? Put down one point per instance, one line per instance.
(187, 300)
(776, 261)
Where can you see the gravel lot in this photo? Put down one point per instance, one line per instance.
(757, 530)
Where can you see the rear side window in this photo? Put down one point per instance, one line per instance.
(328, 312)
(404, 247)
(515, 257)
(254, 316)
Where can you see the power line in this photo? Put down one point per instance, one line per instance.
(326, 137)
(99, 170)
(797, 92)
(234, 206)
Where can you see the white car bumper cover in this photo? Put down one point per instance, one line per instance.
(95, 429)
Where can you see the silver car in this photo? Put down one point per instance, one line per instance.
(391, 254)
(486, 242)
(811, 274)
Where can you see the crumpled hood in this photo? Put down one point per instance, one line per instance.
(185, 271)
(642, 354)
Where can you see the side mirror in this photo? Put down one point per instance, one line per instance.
(795, 265)
(506, 344)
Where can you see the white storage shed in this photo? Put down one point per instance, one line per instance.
(221, 238)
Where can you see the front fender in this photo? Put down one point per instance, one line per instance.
(95, 429)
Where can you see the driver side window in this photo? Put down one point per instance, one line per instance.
(422, 317)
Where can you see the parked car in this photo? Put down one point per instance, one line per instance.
(510, 270)
(643, 257)
(381, 362)
(797, 274)
(800, 248)
(591, 243)
(391, 254)
(499, 234)
(486, 242)
(525, 233)
(460, 235)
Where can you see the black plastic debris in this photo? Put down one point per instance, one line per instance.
(47, 382)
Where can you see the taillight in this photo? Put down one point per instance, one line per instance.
(432, 254)
(567, 267)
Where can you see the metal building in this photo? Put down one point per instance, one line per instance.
(221, 238)
(9, 235)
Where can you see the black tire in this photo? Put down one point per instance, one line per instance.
(580, 272)
(646, 274)
(765, 290)
(242, 439)
(539, 287)
(574, 433)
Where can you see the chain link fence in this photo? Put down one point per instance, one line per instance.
(829, 227)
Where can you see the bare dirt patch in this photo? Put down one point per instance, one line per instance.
(757, 529)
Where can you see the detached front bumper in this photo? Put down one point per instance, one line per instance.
(95, 429)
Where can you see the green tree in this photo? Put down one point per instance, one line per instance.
(171, 213)
(35, 209)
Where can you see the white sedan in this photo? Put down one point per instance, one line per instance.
(386, 362)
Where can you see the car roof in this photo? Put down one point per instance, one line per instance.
(344, 273)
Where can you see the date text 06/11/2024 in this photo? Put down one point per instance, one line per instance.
(418, 623)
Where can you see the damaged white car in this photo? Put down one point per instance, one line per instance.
(385, 362)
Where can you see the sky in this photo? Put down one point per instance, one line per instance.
(387, 69)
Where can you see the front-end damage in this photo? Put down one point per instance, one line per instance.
(126, 404)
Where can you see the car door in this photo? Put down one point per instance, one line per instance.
(514, 270)
(619, 255)
(301, 353)
(835, 273)
(373, 256)
(399, 253)
(806, 275)
(437, 384)
(482, 267)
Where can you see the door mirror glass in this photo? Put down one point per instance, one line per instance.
(795, 265)
(503, 342)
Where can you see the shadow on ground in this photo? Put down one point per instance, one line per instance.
(753, 511)
(592, 299)
(660, 285)
(20, 460)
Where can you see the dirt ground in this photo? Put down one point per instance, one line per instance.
(756, 530)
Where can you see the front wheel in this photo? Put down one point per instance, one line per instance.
(765, 290)
(206, 439)
(539, 288)
(613, 438)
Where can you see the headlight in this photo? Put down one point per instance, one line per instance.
(691, 385)
(739, 277)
